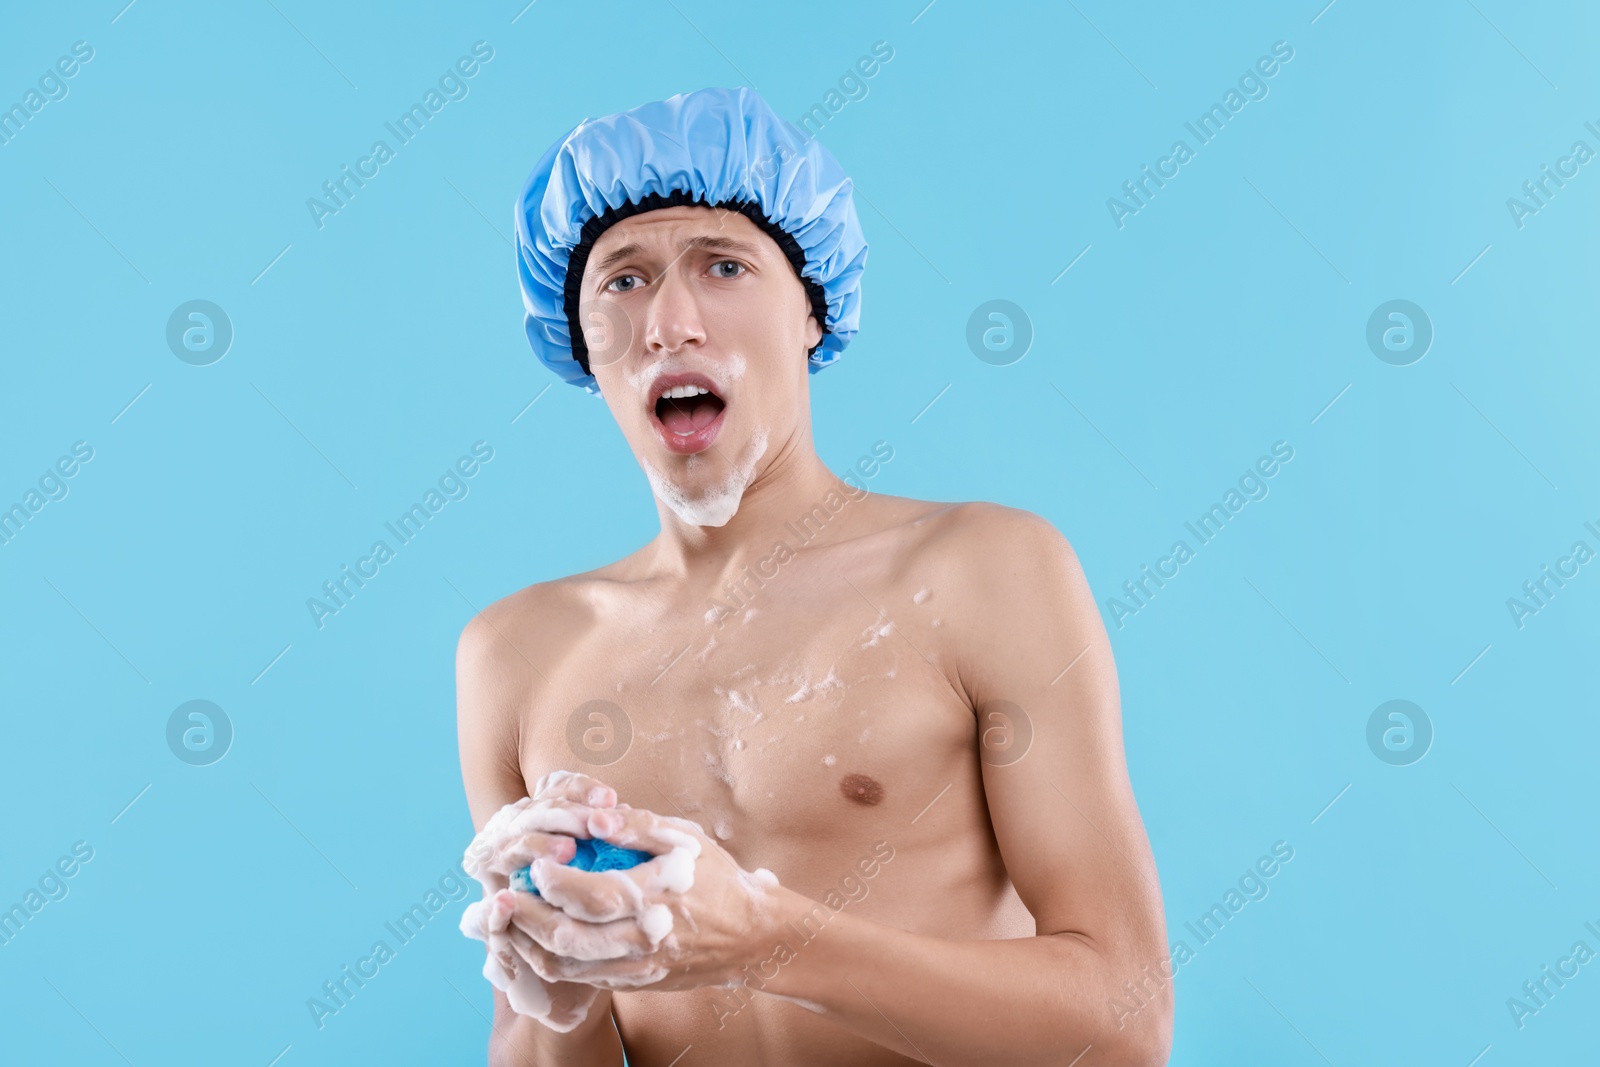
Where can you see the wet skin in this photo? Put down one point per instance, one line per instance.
(830, 714)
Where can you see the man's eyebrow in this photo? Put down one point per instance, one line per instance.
(616, 256)
(719, 244)
(704, 242)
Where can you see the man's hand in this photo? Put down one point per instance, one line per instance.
(543, 824)
(688, 917)
(522, 832)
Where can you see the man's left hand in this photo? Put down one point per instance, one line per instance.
(690, 916)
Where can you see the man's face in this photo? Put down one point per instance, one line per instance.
(701, 305)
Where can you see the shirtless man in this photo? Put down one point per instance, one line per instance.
(884, 764)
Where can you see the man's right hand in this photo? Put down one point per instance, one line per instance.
(543, 824)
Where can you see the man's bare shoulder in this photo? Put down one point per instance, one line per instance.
(976, 544)
(503, 637)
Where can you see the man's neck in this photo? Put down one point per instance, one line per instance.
(782, 492)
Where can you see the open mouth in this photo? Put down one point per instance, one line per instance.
(688, 414)
(688, 408)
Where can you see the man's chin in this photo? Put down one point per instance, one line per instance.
(702, 489)
(697, 506)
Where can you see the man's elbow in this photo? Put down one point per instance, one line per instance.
(1153, 1049)
(1143, 1041)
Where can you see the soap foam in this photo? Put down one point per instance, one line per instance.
(762, 877)
(526, 992)
(673, 871)
(656, 922)
(717, 504)
(878, 633)
(561, 1003)
(808, 1005)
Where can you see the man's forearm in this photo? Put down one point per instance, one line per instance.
(1025, 1000)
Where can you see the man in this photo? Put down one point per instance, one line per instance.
(873, 744)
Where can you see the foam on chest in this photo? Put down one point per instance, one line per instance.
(772, 727)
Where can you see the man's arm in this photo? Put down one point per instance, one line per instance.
(493, 683)
(1068, 829)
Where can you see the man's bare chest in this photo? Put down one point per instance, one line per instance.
(778, 731)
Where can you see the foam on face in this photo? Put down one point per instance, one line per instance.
(718, 504)
(729, 369)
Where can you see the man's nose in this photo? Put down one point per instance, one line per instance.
(673, 317)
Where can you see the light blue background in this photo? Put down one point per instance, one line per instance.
(1225, 316)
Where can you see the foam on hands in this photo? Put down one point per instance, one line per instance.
(612, 935)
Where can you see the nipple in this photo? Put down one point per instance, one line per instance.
(861, 788)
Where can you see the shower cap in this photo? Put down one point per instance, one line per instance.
(723, 148)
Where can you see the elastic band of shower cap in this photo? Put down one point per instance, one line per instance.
(721, 148)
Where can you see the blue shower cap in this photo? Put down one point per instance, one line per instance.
(716, 147)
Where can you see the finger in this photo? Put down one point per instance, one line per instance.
(553, 815)
(573, 939)
(527, 993)
(504, 960)
(570, 1004)
(540, 817)
(593, 896)
(558, 932)
(643, 829)
(604, 897)
(520, 852)
(674, 842)
(484, 918)
(562, 971)
(482, 845)
(556, 813)
(629, 973)
(535, 957)
(561, 1006)
(575, 787)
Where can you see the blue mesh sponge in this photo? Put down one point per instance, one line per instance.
(711, 146)
(593, 854)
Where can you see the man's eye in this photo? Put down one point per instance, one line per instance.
(612, 285)
(728, 263)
